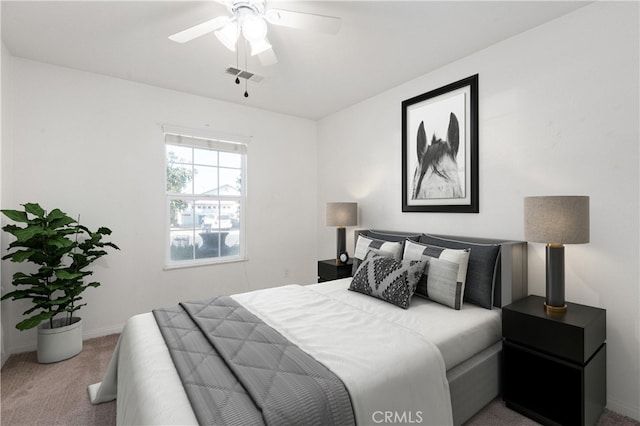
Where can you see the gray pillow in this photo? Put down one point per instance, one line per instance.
(483, 260)
(389, 236)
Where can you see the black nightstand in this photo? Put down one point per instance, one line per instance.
(554, 365)
(331, 270)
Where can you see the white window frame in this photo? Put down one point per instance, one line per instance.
(216, 142)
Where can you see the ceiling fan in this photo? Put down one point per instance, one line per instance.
(250, 18)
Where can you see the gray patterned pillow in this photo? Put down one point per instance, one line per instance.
(442, 282)
(418, 251)
(483, 262)
(388, 279)
(363, 244)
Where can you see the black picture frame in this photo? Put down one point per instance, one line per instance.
(449, 112)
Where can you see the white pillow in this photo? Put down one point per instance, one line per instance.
(363, 244)
(445, 276)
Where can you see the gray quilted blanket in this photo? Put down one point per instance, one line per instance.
(237, 370)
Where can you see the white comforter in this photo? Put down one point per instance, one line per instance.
(458, 334)
(390, 371)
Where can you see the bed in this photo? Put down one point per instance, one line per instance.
(432, 363)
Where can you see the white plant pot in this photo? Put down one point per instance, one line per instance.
(59, 343)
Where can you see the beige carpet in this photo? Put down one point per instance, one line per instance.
(56, 394)
(497, 414)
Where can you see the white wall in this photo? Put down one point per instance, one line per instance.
(3, 111)
(559, 114)
(92, 145)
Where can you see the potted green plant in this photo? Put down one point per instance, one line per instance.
(62, 249)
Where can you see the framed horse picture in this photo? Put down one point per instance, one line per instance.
(440, 149)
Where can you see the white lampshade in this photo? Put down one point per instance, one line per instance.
(556, 219)
(228, 35)
(342, 214)
(254, 28)
(259, 46)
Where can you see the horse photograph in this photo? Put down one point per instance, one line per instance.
(440, 149)
(437, 173)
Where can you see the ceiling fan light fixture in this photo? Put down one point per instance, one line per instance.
(272, 16)
(228, 36)
(254, 28)
(251, 18)
(259, 46)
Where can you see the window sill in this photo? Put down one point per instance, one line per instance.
(197, 264)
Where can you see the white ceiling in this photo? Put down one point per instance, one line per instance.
(379, 46)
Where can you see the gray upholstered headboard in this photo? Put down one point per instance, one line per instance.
(511, 267)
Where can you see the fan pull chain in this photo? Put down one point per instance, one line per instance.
(237, 67)
(246, 94)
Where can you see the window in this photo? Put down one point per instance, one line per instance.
(205, 180)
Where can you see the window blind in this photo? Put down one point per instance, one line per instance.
(205, 140)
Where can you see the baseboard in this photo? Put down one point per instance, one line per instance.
(102, 332)
(624, 409)
(22, 349)
(85, 336)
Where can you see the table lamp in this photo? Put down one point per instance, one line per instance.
(341, 215)
(556, 220)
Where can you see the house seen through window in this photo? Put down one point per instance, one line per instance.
(205, 199)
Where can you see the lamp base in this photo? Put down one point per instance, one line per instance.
(555, 309)
(341, 239)
(554, 299)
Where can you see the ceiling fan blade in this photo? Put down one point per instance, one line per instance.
(200, 29)
(304, 21)
(267, 58)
